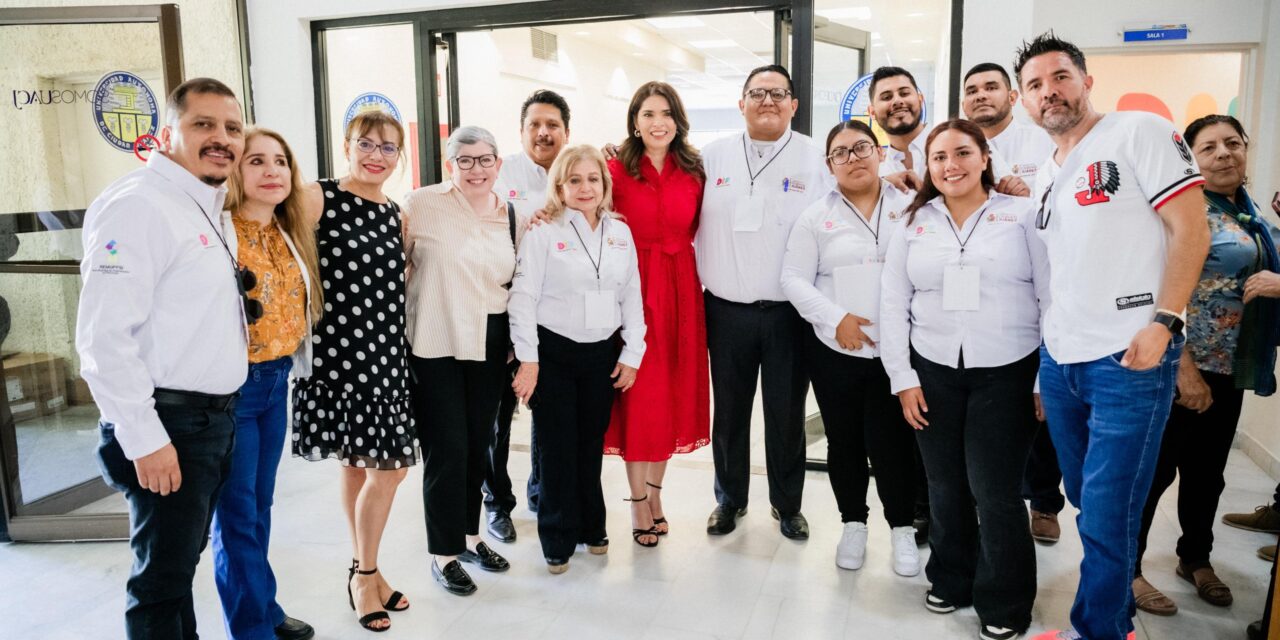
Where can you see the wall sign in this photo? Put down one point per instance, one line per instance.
(124, 108)
(369, 102)
(1156, 32)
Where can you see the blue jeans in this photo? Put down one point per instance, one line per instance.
(1106, 422)
(167, 533)
(242, 521)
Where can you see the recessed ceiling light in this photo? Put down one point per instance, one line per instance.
(675, 22)
(582, 33)
(855, 13)
(713, 44)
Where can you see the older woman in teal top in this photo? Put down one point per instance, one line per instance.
(1233, 325)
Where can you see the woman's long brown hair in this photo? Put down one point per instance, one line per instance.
(633, 149)
(290, 214)
(930, 191)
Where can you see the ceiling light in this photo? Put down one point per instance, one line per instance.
(582, 33)
(875, 35)
(675, 22)
(855, 13)
(724, 43)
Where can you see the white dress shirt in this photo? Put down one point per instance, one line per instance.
(159, 305)
(556, 270)
(1019, 150)
(523, 183)
(832, 236)
(740, 253)
(999, 239)
(895, 160)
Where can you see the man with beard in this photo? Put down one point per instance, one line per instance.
(758, 182)
(1018, 149)
(162, 343)
(1122, 213)
(897, 104)
(522, 180)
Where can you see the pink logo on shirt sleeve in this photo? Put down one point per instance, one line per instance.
(204, 240)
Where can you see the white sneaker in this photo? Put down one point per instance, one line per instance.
(906, 555)
(852, 549)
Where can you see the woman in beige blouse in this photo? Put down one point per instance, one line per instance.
(460, 239)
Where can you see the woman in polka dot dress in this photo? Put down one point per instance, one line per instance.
(355, 406)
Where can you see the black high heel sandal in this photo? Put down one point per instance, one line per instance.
(390, 604)
(366, 620)
(659, 521)
(637, 533)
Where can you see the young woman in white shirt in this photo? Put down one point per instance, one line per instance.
(831, 273)
(577, 286)
(963, 289)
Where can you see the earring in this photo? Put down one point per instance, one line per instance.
(637, 133)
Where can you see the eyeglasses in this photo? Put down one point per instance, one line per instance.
(466, 162)
(245, 282)
(757, 95)
(842, 155)
(389, 149)
(1046, 211)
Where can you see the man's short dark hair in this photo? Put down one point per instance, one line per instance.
(1044, 43)
(984, 67)
(177, 101)
(545, 96)
(883, 73)
(770, 68)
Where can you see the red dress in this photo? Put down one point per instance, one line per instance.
(669, 408)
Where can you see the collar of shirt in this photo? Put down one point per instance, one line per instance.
(209, 198)
(447, 186)
(916, 149)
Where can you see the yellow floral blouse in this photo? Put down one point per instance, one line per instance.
(280, 289)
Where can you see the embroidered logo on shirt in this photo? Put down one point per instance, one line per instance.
(113, 254)
(1182, 147)
(833, 225)
(515, 194)
(1022, 170)
(561, 247)
(792, 185)
(1130, 302)
(617, 243)
(894, 215)
(1100, 180)
(204, 240)
(1003, 217)
(722, 182)
(923, 229)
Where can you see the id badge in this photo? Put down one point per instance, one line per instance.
(960, 288)
(600, 310)
(858, 292)
(749, 215)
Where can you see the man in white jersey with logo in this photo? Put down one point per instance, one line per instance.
(758, 183)
(1123, 218)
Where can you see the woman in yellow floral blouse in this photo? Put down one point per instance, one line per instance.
(274, 242)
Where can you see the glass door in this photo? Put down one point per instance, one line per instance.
(79, 111)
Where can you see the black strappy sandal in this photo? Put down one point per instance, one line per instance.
(366, 620)
(659, 521)
(637, 533)
(392, 601)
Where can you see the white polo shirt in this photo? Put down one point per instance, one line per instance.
(1013, 289)
(1107, 244)
(159, 305)
(831, 247)
(1020, 150)
(743, 230)
(523, 183)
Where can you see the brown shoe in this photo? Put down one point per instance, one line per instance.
(1044, 527)
(1265, 519)
(1149, 599)
(1208, 586)
(1267, 553)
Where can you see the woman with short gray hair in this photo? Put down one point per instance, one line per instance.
(460, 242)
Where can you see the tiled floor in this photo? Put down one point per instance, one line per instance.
(750, 584)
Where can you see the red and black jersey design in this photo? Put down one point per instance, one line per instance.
(1183, 150)
(1100, 182)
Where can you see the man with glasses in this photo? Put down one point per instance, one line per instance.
(162, 345)
(758, 182)
(522, 180)
(1122, 214)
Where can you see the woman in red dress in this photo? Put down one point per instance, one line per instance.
(657, 185)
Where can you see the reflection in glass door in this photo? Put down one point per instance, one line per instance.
(76, 111)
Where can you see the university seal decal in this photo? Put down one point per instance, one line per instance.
(369, 102)
(124, 108)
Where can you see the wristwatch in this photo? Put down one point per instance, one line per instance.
(1170, 320)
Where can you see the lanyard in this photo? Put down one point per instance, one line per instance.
(752, 176)
(875, 233)
(600, 252)
(965, 243)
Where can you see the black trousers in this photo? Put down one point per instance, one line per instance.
(748, 343)
(167, 534)
(571, 408)
(1195, 448)
(498, 494)
(862, 420)
(980, 420)
(1042, 479)
(454, 404)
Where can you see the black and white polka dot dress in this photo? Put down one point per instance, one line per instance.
(355, 406)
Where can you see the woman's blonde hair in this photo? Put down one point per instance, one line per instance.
(559, 174)
(290, 214)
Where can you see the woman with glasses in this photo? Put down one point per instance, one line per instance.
(460, 238)
(964, 285)
(267, 229)
(355, 406)
(831, 273)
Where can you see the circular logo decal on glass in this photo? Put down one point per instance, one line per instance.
(369, 102)
(124, 109)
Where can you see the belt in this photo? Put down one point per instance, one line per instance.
(759, 304)
(193, 399)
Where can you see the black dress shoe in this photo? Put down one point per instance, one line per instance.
(487, 558)
(794, 525)
(294, 629)
(501, 527)
(453, 578)
(724, 520)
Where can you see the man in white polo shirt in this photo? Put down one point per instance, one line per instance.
(758, 183)
(522, 180)
(897, 105)
(1017, 150)
(1123, 218)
